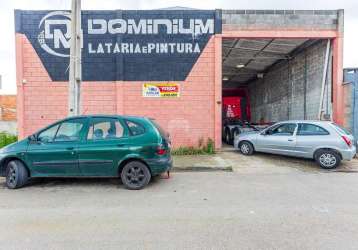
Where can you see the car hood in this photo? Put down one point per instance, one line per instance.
(247, 135)
(16, 146)
(253, 132)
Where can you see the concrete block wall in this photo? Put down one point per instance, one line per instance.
(187, 118)
(279, 19)
(291, 89)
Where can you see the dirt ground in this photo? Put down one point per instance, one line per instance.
(231, 159)
(268, 163)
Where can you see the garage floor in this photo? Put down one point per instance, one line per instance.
(230, 159)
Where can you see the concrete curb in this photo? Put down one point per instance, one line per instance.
(201, 163)
(201, 169)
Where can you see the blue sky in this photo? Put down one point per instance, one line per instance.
(7, 42)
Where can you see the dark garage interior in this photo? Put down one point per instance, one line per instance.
(271, 80)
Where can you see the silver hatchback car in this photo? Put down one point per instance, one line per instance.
(323, 141)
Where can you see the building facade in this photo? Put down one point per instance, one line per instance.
(8, 114)
(173, 65)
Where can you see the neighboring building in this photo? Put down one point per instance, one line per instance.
(175, 65)
(351, 102)
(8, 107)
(8, 114)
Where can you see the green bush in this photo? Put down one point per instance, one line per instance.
(202, 149)
(209, 148)
(6, 139)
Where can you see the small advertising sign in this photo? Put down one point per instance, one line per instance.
(161, 90)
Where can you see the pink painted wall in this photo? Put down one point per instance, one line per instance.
(187, 118)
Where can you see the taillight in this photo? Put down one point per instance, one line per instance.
(347, 140)
(161, 150)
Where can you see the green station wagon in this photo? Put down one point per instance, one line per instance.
(133, 148)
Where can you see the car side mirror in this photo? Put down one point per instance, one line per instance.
(267, 132)
(32, 138)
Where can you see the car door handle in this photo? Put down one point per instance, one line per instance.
(290, 140)
(70, 148)
(120, 145)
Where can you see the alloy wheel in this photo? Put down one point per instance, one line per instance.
(135, 176)
(12, 175)
(245, 148)
(328, 160)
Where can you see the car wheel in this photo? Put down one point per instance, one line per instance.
(16, 174)
(246, 148)
(328, 159)
(228, 138)
(235, 133)
(135, 175)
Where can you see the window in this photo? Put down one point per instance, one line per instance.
(284, 129)
(70, 130)
(310, 129)
(48, 134)
(105, 128)
(135, 128)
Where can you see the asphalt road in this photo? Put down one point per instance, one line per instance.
(215, 210)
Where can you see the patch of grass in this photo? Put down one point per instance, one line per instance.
(6, 139)
(202, 149)
(209, 148)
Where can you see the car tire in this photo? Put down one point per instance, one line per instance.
(135, 175)
(246, 148)
(228, 137)
(16, 174)
(328, 159)
(235, 133)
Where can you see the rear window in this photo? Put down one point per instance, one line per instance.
(341, 129)
(311, 129)
(135, 128)
(161, 131)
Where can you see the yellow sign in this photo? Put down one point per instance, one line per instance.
(161, 90)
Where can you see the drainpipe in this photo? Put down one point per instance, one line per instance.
(289, 90)
(305, 90)
(324, 79)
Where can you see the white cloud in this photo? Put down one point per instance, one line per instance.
(7, 42)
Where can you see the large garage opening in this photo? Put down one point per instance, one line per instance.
(271, 80)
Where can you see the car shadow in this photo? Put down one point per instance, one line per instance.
(71, 182)
(93, 182)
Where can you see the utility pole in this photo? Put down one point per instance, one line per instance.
(75, 74)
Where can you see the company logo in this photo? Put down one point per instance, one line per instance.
(55, 33)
